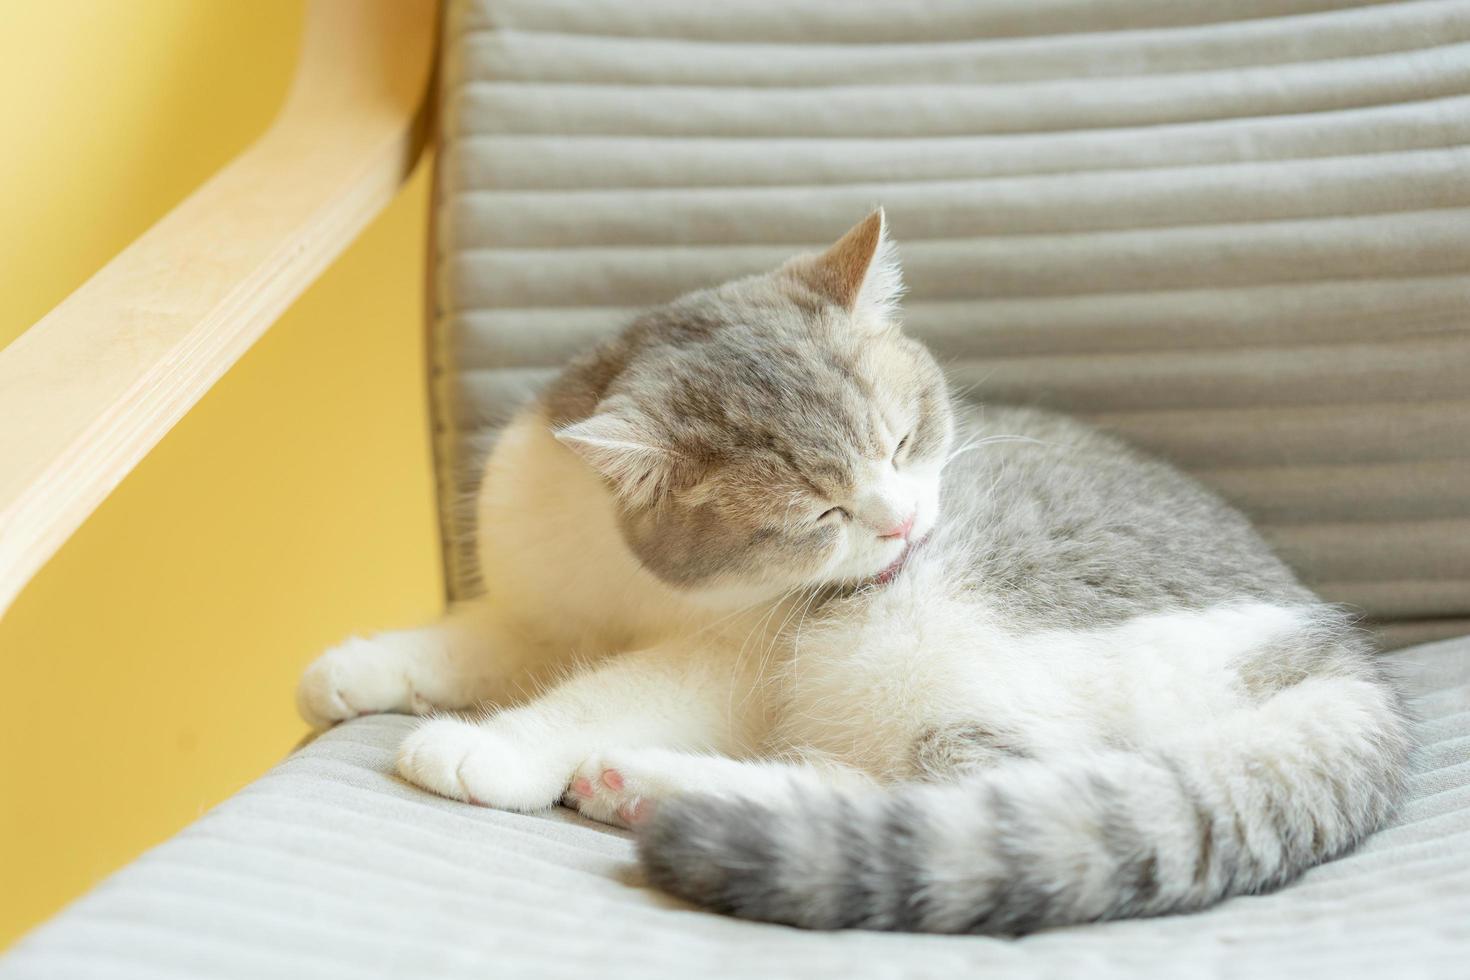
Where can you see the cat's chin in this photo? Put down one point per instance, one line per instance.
(737, 594)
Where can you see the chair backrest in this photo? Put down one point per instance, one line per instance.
(1238, 234)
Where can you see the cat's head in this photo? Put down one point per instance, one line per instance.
(776, 431)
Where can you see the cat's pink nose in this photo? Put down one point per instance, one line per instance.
(900, 530)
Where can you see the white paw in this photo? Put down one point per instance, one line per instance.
(622, 788)
(477, 764)
(358, 677)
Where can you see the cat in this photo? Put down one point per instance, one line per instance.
(845, 653)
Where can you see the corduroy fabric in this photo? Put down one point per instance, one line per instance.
(330, 866)
(1238, 234)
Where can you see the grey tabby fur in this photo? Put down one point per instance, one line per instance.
(755, 392)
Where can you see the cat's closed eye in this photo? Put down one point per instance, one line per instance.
(898, 450)
(831, 514)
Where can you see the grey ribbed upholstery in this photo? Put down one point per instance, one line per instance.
(330, 867)
(1237, 233)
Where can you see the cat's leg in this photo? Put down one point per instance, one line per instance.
(523, 758)
(465, 658)
(622, 786)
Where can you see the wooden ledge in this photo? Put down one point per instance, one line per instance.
(88, 390)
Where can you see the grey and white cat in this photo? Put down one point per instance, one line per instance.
(848, 655)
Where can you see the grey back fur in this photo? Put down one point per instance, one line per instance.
(1062, 525)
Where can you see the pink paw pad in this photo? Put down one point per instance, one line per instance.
(612, 779)
(582, 787)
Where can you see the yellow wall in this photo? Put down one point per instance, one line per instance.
(148, 670)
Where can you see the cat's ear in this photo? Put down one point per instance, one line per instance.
(861, 271)
(617, 446)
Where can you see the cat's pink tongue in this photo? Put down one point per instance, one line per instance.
(887, 575)
(891, 572)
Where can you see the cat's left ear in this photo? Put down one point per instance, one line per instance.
(861, 271)
(614, 444)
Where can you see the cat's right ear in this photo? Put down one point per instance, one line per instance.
(623, 452)
(860, 272)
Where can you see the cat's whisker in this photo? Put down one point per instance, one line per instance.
(796, 641)
(800, 605)
(990, 440)
(960, 394)
(761, 664)
(759, 625)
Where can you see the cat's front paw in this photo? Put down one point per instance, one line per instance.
(622, 787)
(358, 677)
(600, 791)
(476, 764)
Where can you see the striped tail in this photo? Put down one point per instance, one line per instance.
(1296, 780)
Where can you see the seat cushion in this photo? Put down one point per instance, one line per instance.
(329, 866)
(1236, 233)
